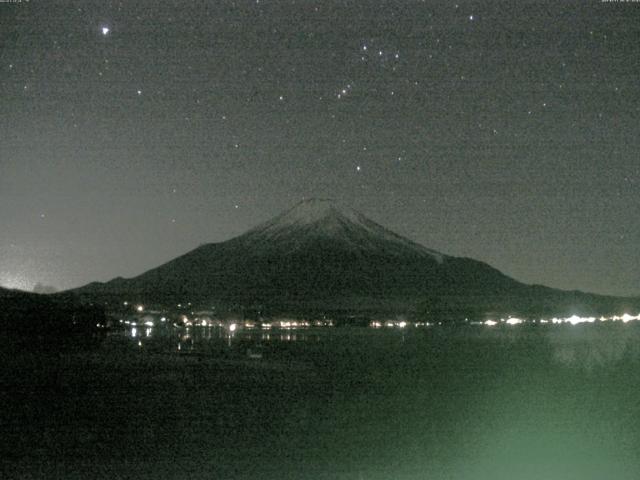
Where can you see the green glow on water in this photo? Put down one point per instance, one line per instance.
(351, 404)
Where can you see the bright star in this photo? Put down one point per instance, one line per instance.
(105, 30)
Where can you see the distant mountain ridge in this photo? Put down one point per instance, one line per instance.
(320, 256)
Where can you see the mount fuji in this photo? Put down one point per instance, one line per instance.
(321, 256)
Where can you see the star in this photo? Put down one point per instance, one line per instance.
(358, 168)
(105, 30)
(139, 92)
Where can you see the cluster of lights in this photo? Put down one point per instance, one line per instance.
(248, 324)
(295, 324)
(573, 320)
(397, 324)
(287, 324)
(292, 324)
(201, 322)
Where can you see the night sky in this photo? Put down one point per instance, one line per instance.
(134, 131)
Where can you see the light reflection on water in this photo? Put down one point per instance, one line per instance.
(194, 339)
(586, 346)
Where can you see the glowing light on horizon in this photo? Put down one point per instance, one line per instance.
(574, 320)
(627, 318)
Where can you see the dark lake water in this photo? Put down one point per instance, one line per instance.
(517, 402)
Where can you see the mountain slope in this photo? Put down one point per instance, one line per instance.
(321, 256)
(318, 250)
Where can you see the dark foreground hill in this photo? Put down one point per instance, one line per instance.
(321, 257)
(38, 320)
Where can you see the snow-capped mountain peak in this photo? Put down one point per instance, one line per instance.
(315, 210)
(328, 219)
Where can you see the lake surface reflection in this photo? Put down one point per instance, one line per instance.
(470, 403)
(209, 339)
(582, 346)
